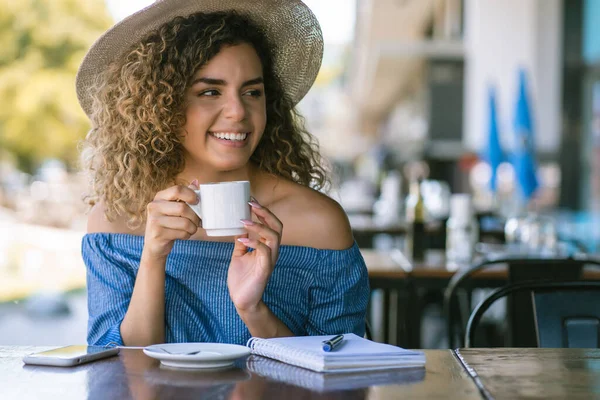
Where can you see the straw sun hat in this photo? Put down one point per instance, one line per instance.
(288, 24)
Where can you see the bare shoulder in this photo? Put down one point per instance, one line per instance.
(312, 219)
(98, 223)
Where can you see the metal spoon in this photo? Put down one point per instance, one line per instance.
(191, 353)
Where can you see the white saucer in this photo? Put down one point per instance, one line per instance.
(211, 355)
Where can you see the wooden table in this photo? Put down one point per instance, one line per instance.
(534, 373)
(133, 375)
(463, 374)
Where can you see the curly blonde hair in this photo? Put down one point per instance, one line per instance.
(134, 148)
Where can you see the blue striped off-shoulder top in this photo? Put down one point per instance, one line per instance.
(312, 291)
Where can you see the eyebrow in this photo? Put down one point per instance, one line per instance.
(221, 82)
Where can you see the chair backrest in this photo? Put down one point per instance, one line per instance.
(566, 314)
(520, 269)
(568, 318)
(521, 329)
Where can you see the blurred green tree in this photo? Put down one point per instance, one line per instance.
(43, 43)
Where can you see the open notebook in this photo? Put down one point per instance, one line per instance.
(320, 382)
(354, 354)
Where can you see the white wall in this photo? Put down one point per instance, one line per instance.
(500, 37)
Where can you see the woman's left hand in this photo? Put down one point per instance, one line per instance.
(249, 272)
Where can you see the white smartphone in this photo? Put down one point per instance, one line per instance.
(69, 356)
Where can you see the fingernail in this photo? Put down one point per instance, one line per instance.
(254, 204)
(244, 240)
(247, 222)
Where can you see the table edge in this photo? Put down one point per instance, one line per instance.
(473, 374)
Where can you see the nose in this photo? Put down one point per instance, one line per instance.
(234, 108)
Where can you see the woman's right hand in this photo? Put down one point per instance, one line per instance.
(170, 218)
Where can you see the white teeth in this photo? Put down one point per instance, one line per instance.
(230, 136)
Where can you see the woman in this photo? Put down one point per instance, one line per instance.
(189, 92)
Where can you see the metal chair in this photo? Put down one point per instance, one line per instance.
(520, 268)
(566, 314)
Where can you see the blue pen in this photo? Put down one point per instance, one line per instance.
(333, 343)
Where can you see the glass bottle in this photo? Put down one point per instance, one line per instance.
(415, 217)
(462, 230)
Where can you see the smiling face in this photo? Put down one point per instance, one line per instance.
(225, 110)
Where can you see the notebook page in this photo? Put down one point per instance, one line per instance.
(354, 347)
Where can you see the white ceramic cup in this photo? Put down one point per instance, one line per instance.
(221, 206)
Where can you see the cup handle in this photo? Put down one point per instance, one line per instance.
(197, 208)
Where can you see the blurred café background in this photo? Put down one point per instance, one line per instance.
(416, 101)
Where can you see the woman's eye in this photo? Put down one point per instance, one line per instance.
(254, 93)
(209, 93)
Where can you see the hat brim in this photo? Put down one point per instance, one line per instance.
(288, 24)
